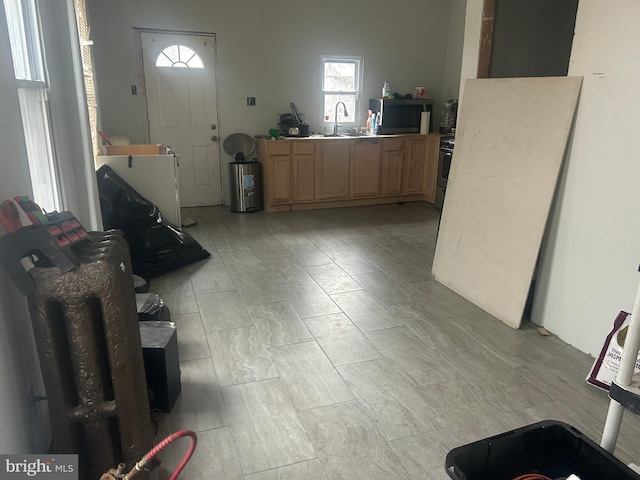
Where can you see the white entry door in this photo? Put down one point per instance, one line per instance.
(179, 72)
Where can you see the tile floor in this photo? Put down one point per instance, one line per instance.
(317, 345)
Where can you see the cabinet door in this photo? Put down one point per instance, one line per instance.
(431, 166)
(279, 179)
(366, 163)
(413, 175)
(392, 165)
(333, 166)
(303, 171)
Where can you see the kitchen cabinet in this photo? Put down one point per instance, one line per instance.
(333, 170)
(325, 172)
(276, 160)
(414, 166)
(366, 165)
(303, 170)
(392, 165)
(431, 167)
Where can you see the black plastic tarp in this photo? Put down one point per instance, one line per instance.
(157, 246)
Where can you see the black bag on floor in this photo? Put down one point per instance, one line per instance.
(150, 307)
(157, 246)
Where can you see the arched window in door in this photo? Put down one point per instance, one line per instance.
(179, 56)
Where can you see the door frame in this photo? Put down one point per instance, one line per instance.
(141, 87)
(486, 38)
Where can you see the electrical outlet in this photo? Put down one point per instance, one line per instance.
(251, 101)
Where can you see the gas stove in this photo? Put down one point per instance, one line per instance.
(447, 142)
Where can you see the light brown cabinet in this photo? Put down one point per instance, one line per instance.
(366, 164)
(276, 162)
(392, 165)
(303, 171)
(414, 167)
(431, 167)
(333, 172)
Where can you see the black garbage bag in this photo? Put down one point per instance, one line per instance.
(156, 245)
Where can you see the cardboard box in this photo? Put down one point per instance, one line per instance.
(152, 149)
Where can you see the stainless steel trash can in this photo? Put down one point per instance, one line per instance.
(245, 183)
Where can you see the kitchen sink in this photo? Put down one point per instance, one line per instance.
(338, 135)
(350, 135)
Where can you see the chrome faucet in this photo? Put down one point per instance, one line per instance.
(335, 118)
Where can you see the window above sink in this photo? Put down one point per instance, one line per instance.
(341, 82)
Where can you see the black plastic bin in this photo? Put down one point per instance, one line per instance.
(551, 448)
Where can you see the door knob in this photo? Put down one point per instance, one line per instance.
(214, 138)
(213, 126)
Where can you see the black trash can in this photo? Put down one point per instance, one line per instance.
(245, 185)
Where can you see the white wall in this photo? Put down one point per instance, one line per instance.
(271, 50)
(455, 43)
(590, 255)
(471, 44)
(589, 264)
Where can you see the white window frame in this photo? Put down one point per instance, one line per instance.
(31, 78)
(359, 68)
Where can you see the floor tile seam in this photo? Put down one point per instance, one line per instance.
(381, 439)
(342, 291)
(353, 363)
(231, 328)
(293, 409)
(517, 375)
(194, 358)
(289, 465)
(415, 387)
(416, 433)
(215, 370)
(334, 293)
(213, 292)
(276, 377)
(341, 312)
(236, 447)
(301, 342)
(446, 319)
(516, 331)
(261, 380)
(330, 363)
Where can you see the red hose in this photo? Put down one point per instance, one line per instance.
(160, 446)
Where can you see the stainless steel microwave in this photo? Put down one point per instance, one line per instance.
(401, 115)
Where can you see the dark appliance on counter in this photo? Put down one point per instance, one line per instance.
(400, 115)
(293, 124)
(447, 143)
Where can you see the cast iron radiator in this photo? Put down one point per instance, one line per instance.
(88, 340)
